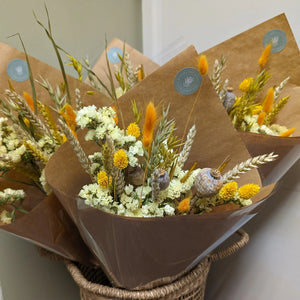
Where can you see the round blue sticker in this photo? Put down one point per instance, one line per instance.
(112, 55)
(187, 81)
(277, 38)
(17, 70)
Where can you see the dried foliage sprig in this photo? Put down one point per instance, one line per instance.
(36, 152)
(78, 101)
(278, 89)
(277, 108)
(164, 130)
(248, 165)
(183, 155)
(83, 159)
(219, 67)
(27, 112)
(56, 96)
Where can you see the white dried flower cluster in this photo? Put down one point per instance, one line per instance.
(130, 199)
(9, 144)
(101, 122)
(250, 123)
(47, 144)
(8, 196)
(44, 183)
(128, 206)
(5, 217)
(176, 187)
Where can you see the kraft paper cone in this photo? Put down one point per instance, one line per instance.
(136, 58)
(243, 52)
(47, 224)
(138, 253)
(9, 55)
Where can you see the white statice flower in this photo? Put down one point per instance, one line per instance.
(15, 156)
(11, 195)
(119, 92)
(143, 192)
(173, 191)
(121, 210)
(278, 129)
(45, 184)
(86, 116)
(245, 202)
(47, 144)
(117, 135)
(91, 135)
(152, 209)
(96, 196)
(130, 203)
(4, 217)
(187, 185)
(135, 150)
(169, 210)
(128, 189)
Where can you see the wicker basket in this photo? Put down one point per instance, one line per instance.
(94, 285)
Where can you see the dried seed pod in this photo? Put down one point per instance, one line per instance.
(208, 182)
(229, 99)
(163, 179)
(135, 176)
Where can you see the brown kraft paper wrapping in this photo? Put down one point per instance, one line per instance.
(47, 224)
(243, 52)
(140, 253)
(136, 58)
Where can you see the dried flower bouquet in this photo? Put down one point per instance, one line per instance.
(265, 94)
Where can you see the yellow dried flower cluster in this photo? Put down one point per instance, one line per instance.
(228, 191)
(133, 129)
(120, 159)
(245, 84)
(104, 180)
(247, 191)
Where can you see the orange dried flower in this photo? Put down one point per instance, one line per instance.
(149, 125)
(29, 100)
(69, 115)
(268, 102)
(184, 205)
(265, 55)
(261, 118)
(116, 119)
(288, 132)
(203, 65)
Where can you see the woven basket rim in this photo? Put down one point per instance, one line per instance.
(191, 278)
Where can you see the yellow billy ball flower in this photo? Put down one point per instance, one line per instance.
(133, 129)
(228, 191)
(120, 159)
(247, 191)
(245, 84)
(103, 180)
(184, 205)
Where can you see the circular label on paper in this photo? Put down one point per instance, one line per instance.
(17, 70)
(112, 55)
(187, 81)
(277, 38)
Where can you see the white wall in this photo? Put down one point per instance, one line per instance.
(79, 27)
(169, 26)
